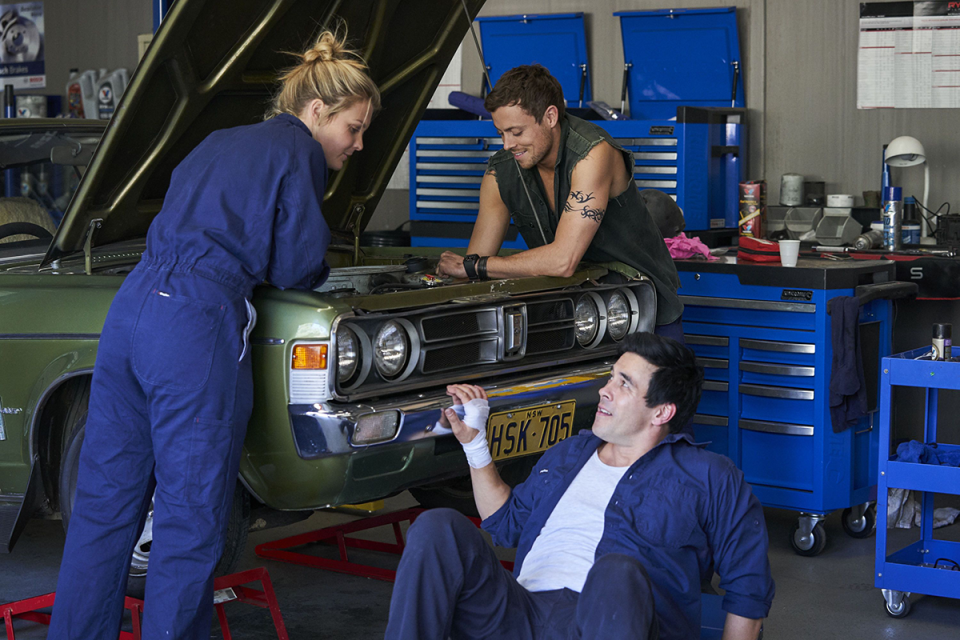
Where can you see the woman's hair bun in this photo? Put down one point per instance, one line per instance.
(327, 47)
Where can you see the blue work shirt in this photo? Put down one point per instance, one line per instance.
(681, 510)
(245, 206)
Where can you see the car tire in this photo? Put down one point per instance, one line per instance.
(237, 526)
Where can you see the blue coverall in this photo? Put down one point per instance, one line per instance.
(172, 387)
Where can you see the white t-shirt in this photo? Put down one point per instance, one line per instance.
(564, 551)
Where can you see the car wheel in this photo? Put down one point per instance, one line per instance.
(237, 527)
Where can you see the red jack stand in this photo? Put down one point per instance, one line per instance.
(29, 610)
(226, 589)
(337, 534)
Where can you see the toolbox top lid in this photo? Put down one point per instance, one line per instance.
(555, 40)
(681, 57)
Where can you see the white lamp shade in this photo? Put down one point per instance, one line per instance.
(905, 151)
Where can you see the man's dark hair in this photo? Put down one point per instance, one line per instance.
(530, 86)
(678, 378)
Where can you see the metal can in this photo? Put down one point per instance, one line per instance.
(868, 240)
(892, 218)
(942, 341)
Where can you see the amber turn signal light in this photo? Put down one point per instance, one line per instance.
(309, 356)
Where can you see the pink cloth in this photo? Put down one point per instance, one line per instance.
(682, 247)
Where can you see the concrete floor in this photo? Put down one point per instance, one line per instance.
(826, 597)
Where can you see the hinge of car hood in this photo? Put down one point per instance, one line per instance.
(358, 210)
(95, 224)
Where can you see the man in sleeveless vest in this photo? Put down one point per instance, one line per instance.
(569, 189)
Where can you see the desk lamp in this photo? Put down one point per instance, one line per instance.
(907, 151)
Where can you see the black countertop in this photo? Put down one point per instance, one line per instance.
(810, 273)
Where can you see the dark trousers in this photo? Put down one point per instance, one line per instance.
(450, 584)
(169, 406)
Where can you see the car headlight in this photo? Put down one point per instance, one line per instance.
(618, 315)
(348, 353)
(586, 320)
(391, 349)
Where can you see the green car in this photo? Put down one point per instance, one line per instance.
(350, 378)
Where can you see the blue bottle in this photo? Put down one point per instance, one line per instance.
(892, 218)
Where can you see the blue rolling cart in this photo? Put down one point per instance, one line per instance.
(762, 334)
(921, 567)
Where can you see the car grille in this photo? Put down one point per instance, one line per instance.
(479, 341)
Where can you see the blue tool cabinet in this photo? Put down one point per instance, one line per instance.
(762, 334)
(696, 159)
(914, 569)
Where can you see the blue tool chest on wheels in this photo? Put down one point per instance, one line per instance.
(923, 566)
(762, 334)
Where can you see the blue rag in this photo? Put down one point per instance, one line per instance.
(914, 451)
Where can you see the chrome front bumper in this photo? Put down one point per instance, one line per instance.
(328, 429)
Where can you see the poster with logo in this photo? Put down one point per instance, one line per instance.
(21, 45)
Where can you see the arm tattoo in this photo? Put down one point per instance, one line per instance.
(578, 201)
(491, 172)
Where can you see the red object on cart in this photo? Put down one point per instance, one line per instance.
(337, 534)
(226, 589)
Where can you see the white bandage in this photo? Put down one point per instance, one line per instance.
(475, 416)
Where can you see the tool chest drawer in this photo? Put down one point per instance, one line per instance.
(791, 468)
(714, 430)
(715, 398)
(766, 402)
(778, 351)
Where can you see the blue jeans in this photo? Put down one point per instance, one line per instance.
(450, 584)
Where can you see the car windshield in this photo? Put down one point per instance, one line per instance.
(39, 172)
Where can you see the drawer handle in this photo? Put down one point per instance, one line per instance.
(776, 392)
(778, 369)
(715, 385)
(713, 363)
(735, 303)
(782, 428)
(709, 341)
(783, 347)
(715, 421)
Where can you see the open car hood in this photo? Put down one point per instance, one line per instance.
(213, 64)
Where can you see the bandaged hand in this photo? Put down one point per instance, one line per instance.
(471, 428)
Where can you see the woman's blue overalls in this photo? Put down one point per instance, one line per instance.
(172, 388)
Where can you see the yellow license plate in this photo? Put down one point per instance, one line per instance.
(512, 434)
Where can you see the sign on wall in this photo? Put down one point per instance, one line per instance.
(909, 55)
(21, 45)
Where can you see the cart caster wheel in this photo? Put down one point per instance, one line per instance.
(862, 527)
(810, 545)
(900, 610)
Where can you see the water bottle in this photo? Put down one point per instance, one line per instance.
(892, 218)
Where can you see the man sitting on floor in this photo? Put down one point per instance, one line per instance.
(615, 528)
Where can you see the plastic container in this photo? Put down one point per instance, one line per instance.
(82, 94)
(910, 210)
(109, 89)
(892, 218)
(910, 232)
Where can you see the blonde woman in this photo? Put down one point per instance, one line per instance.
(172, 387)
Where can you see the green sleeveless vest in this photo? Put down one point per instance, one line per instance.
(627, 233)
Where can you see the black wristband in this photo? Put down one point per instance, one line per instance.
(470, 266)
(482, 268)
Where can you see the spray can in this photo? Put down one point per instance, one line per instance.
(868, 240)
(892, 218)
(942, 342)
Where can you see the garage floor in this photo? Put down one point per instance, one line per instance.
(830, 596)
